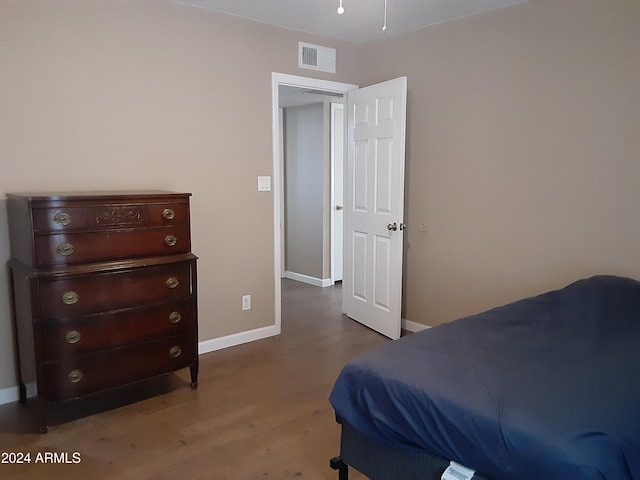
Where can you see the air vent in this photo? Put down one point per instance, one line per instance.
(309, 56)
(316, 57)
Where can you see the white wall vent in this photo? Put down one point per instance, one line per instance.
(315, 57)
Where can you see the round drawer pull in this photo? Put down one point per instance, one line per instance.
(170, 240)
(65, 249)
(175, 317)
(71, 297)
(168, 214)
(172, 282)
(75, 376)
(175, 351)
(62, 218)
(72, 336)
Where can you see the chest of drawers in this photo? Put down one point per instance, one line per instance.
(104, 291)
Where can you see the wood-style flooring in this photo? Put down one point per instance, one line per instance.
(260, 412)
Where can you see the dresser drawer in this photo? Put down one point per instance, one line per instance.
(112, 290)
(83, 374)
(76, 248)
(81, 335)
(114, 215)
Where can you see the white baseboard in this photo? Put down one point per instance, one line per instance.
(413, 326)
(9, 395)
(237, 339)
(318, 282)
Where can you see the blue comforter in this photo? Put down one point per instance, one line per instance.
(544, 388)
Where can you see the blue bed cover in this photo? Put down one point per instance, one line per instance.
(544, 388)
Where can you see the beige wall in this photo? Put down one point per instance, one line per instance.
(118, 94)
(523, 151)
(523, 157)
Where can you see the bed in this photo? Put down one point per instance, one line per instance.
(547, 387)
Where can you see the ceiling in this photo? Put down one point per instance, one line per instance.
(362, 19)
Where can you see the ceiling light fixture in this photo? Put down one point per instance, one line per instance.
(384, 22)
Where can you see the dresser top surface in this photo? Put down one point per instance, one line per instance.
(95, 194)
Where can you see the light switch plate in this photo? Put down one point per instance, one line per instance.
(264, 184)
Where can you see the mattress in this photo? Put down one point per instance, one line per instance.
(547, 387)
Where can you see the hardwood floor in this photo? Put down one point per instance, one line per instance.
(260, 412)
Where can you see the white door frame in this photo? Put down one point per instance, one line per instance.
(284, 79)
(337, 194)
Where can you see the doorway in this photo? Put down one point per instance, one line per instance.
(281, 85)
(312, 169)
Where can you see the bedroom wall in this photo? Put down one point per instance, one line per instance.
(120, 94)
(523, 160)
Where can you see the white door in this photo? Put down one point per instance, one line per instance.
(337, 203)
(374, 206)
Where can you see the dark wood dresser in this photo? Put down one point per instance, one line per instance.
(104, 291)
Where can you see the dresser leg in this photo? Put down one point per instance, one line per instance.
(194, 374)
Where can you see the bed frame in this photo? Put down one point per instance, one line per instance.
(382, 462)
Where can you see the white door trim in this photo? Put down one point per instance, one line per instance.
(338, 154)
(280, 191)
(278, 79)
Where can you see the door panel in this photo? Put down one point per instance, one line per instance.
(383, 166)
(359, 265)
(382, 267)
(360, 174)
(375, 176)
